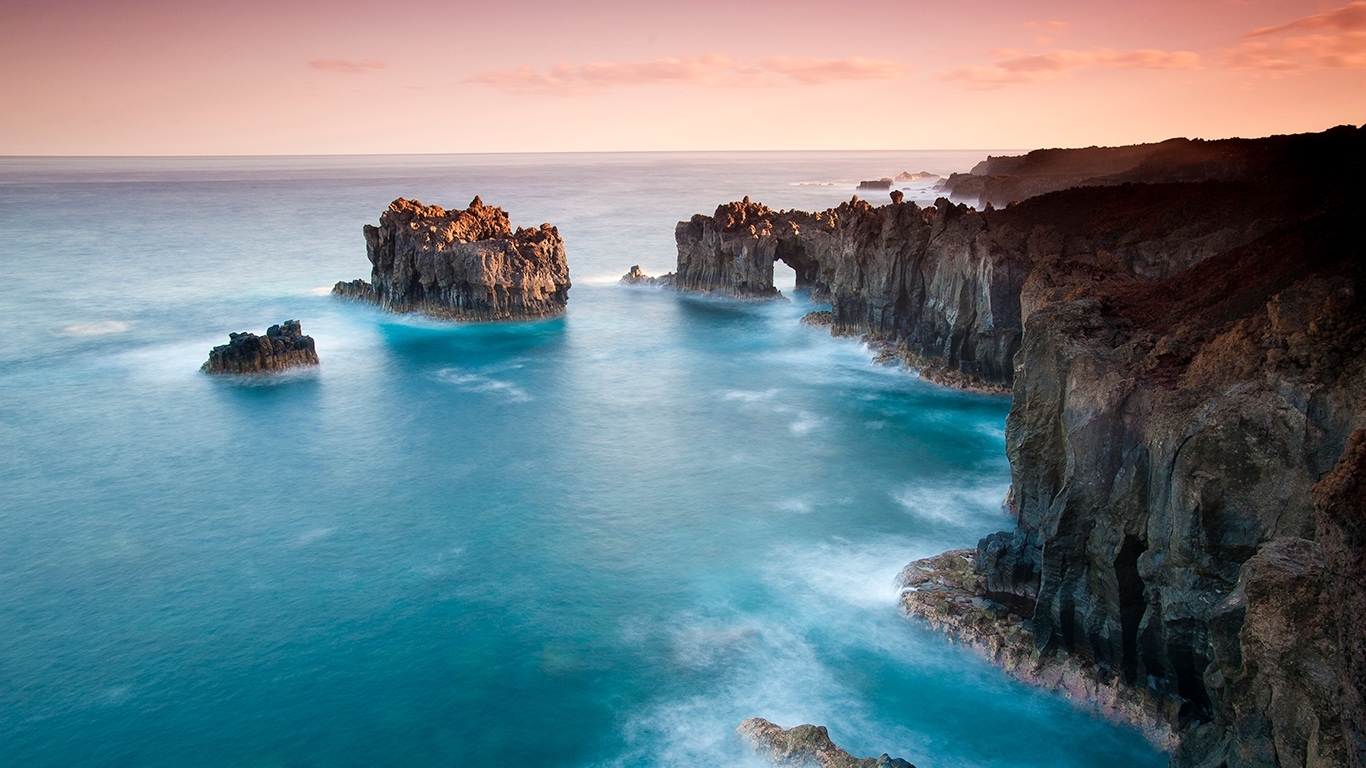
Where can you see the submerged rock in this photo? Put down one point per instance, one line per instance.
(807, 745)
(917, 176)
(463, 265)
(635, 277)
(821, 318)
(284, 346)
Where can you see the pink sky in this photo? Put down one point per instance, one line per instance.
(297, 77)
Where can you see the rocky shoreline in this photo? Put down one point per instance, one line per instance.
(1184, 338)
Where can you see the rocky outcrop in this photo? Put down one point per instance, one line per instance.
(950, 593)
(1187, 362)
(636, 277)
(1002, 180)
(876, 184)
(284, 346)
(807, 745)
(943, 283)
(463, 265)
(917, 176)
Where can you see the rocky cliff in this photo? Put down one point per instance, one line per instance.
(943, 283)
(464, 265)
(283, 346)
(1005, 179)
(1188, 367)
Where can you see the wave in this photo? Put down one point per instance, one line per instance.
(99, 328)
(478, 382)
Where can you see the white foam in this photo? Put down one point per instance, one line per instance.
(953, 505)
(100, 328)
(478, 382)
(794, 505)
(749, 396)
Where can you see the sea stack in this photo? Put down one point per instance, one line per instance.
(284, 346)
(462, 264)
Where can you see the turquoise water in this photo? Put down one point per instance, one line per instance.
(599, 540)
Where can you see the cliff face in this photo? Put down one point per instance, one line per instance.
(1162, 435)
(283, 346)
(1187, 361)
(943, 283)
(1001, 180)
(464, 265)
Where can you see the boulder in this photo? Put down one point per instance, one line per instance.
(284, 346)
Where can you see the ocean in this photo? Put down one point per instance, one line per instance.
(597, 540)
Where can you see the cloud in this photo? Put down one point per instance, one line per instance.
(1015, 69)
(346, 67)
(1348, 18)
(709, 70)
(822, 71)
(1334, 39)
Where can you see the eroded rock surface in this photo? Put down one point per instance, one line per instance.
(284, 346)
(463, 265)
(807, 745)
(1187, 362)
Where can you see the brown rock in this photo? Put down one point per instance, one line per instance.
(807, 745)
(465, 265)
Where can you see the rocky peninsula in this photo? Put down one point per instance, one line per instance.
(1186, 353)
(461, 264)
(284, 346)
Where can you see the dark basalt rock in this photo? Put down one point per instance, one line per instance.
(807, 745)
(1187, 360)
(284, 346)
(463, 265)
(1002, 180)
(884, 183)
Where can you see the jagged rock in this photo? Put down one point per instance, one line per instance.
(821, 318)
(883, 183)
(807, 745)
(283, 346)
(1186, 359)
(635, 277)
(951, 594)
(464, 265)
(917, 176)
(944, 283)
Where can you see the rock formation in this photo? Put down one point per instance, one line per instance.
(807, 745)
(463, 265)
(1188, 368)
(876, 184)
(1002, 180)
(917, 176)
(283, 346)
(635, 277)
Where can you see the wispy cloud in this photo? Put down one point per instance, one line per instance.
(1334, 39)
(1348, 18)
(346, 67)
(1012, 68)
(709, 70)
(821, 71)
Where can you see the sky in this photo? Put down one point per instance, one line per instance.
(262, 77)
